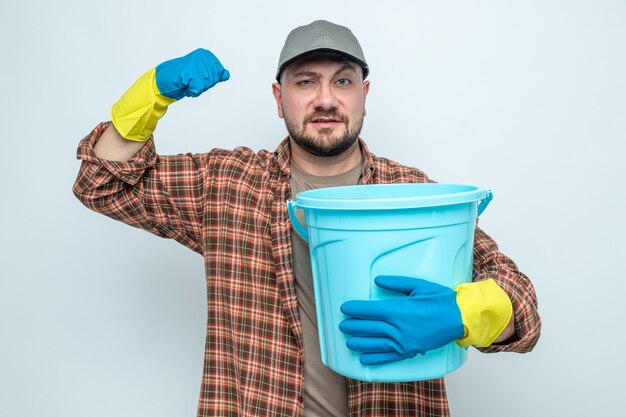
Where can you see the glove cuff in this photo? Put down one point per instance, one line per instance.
(485, 309)
(136, 113)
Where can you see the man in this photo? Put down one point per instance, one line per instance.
(262, 354)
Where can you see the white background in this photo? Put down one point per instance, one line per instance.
(527, 98)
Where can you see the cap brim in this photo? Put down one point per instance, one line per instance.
(352, 58)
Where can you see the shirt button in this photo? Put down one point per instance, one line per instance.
(300, 398)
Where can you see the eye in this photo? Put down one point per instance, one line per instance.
(304, 83)
(344, 82)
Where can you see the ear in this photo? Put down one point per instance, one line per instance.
(276, 90)
(366, 90)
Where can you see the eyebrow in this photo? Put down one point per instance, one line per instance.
(315, 74)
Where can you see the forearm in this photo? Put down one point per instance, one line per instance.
(113, 147)
(522, 332)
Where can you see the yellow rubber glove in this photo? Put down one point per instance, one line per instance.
(486, 310)
(136, 113)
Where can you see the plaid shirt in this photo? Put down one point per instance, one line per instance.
(230, 206)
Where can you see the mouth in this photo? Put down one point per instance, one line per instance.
(325, 122)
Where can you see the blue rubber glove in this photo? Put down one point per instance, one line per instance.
(400, 328)
(190, 75)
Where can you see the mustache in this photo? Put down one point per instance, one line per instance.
(326, 114)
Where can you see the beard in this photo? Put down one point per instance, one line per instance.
(324, 144)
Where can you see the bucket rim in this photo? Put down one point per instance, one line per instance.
(410, 195)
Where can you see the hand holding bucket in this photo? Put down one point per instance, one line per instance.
(429, 317)
(387, 331)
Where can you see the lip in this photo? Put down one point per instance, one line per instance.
(324, 123)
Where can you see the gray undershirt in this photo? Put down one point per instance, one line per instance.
(325, 392)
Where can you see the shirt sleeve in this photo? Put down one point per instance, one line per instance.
(489, 262)
(163, 195)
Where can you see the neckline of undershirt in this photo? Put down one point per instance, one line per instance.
(350, 177)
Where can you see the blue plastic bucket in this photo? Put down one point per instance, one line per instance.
(356, 233)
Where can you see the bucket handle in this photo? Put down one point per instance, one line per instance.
(484, 202)
(297, 226)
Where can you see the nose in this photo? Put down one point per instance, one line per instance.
(325, 97)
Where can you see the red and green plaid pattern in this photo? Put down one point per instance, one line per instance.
(230, 206)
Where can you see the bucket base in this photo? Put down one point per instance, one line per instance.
(434, 364)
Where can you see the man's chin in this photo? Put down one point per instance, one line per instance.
(326, 133)
(324, 146)
(325, 143)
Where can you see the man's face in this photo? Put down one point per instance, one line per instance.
(323, 104)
